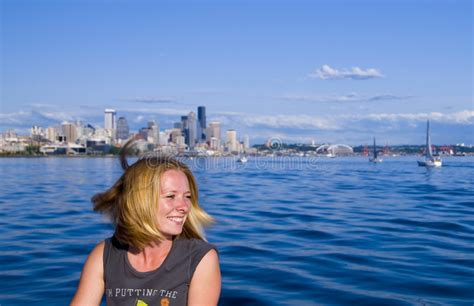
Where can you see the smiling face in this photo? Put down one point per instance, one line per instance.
(174, 203)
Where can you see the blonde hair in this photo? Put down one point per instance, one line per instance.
(132, 201)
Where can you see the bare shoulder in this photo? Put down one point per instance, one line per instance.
(98, 251)
(210, 260)
(95, 258)
(205, 285)
(91, 284)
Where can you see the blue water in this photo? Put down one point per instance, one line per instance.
(294, 231)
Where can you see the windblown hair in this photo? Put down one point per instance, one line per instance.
(132, 202)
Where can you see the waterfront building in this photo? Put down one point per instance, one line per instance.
(37, 131)
(335, 149)
(191, 120)
(215, 144)
(178, 125)
(104, 135)
(143, 133)
(184, 128)
(11, 143)
(246, 143)
(173, 134)
(88, 130)
(109, 119)
(214, 130)
(179, 140)
(153, 132)
(231, 143)
(201, 124)
(52, 133)
(123, 130)
(69, 131)
(10, 135)
(109, 122)
(163, 139)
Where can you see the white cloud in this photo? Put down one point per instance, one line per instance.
(337, 122)
(289, 121)
(326, 72)
(157, 111)
(352, 97)
(32, 117)
(55, 116)
(152, 100)
(14, 118)
(463, 117)
(138, 119)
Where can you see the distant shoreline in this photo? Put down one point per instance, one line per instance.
(224, 156)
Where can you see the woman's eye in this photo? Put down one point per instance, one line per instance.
(171, 196)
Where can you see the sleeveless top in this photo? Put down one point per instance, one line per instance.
(165, 286)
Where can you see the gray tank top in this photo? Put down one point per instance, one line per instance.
(166, 286)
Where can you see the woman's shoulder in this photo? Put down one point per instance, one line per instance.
(194, 248)
(194, 244)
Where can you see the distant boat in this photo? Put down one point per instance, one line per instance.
(430, 161)
(374, 158)
(242, 159)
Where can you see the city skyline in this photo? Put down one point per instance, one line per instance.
(337, 72)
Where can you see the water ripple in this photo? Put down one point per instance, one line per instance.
(331, 232)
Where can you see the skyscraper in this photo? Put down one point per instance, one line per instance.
(109, 119)
(69, 131)
(122, 128)
(53, 132)
(246, 142)
(185, 128)
(231, 141)
(191, 130)
(201, 124)
(214, 130)
(154, 131)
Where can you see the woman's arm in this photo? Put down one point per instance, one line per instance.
(205, 287)
(91, 285)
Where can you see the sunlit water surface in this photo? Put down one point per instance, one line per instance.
(294, 231)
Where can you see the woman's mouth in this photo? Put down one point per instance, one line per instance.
(176, 220)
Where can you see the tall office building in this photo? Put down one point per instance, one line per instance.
(52, 133)
(109, 119)
(122, 128)
(69, 131)
(191, 130)
(154, 132)
(201, 124)
(214, 130)
(178, 125)
(231, 142)
(246, 142)
(185, 128)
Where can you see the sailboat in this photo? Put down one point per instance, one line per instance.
(374, 158)
(242, 158)
(430, 161)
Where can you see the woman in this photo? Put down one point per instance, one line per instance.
(158, 255)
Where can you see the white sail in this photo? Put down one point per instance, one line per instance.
(429, 153)
(430, 161)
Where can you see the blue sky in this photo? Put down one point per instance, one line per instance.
(332, 71)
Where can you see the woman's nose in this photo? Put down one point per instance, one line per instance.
(183, 204)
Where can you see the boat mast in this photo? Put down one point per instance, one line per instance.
(375, 150)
